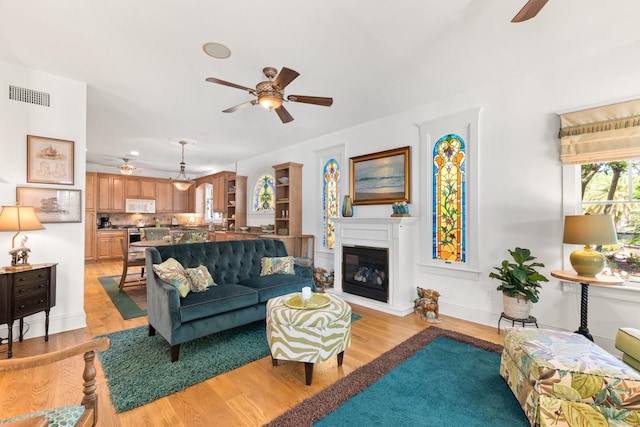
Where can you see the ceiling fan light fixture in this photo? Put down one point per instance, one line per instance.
(181, 182)
(126, 168)
(270, 100)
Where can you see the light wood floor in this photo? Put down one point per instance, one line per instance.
(248, 396)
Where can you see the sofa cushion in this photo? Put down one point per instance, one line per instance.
(215, 300)
(172, 272)
(276, 265)
(199, 278)
(628, 341)
(275, 285)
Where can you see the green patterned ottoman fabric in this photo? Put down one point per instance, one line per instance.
(308, 335)
(563, 379)
(57, 417)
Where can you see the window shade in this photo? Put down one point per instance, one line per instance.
(601, 134)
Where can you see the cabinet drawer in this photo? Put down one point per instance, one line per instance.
(31, 276)
(22, 288)
(30, 304)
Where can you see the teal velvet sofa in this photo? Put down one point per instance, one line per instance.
(239, 297)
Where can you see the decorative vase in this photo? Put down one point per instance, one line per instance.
(347, 207)
(517, 307)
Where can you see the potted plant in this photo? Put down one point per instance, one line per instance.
(520, 283)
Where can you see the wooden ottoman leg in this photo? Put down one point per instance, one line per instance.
(340, 357)
(308, 372)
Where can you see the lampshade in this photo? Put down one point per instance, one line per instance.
(270, 100)
(19, 218)
(588, 230)
(181, 182)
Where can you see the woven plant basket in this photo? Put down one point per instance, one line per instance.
(517, 307)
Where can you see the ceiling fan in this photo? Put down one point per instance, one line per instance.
(530, 9)
(270, 93)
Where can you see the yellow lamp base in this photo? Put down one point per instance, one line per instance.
(587, 262)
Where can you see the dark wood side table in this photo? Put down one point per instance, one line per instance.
(26, 292)
(585, 281)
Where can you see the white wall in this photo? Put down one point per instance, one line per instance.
(520, 188)
(60, 243)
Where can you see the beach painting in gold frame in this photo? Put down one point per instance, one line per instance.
(381, 178)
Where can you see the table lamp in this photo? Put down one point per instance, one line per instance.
(19, 218)
(588, 230)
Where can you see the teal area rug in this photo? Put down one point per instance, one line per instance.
(139, 369)
(132, 302)
(436, 378)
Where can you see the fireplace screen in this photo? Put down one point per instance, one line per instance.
(365, 272)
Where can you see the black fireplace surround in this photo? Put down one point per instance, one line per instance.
(365, 272)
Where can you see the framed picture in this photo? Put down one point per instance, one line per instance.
(49, 161)
(381, 178)
(52, 204)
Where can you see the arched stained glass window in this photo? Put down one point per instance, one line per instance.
(449, 199)
(330, 191)
(263, 191)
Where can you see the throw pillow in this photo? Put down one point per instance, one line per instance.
(199, 278)
(172, 272)
(277, 265)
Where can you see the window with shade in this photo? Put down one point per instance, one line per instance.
(600, 149)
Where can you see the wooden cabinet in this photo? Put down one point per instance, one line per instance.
(164, 196)
(26, 292)
(108, 244)
(110, 193)
(91, 182)
(288, 214)
(140, 188)
(236, 201)
(89, 235)
(182, 200)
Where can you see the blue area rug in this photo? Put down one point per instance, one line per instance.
(139, 369)
(436, 378)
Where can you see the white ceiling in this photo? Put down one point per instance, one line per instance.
(145, 69)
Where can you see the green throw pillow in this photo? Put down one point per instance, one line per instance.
(172, 272)
(199, 278)
(277, 265)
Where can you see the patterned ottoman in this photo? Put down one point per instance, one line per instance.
(308, 336)
(563, 379)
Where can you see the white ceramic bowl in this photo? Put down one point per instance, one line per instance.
(244, 228)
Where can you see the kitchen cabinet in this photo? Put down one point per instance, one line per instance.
(89, 235)
(108, 244)
(288, 214)
(182, 200)
(164, 196)
(110, 193)
(140, 188)
(91, 179)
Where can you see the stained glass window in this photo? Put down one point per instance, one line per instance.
(330, 187)
(449, 199)
(263, 191)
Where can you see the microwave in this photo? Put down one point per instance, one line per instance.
(140, 206)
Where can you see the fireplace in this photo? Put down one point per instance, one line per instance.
(378, 268)
(365, 272)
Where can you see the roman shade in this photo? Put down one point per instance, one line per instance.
(602, 134)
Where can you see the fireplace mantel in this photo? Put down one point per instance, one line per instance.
(399, 235)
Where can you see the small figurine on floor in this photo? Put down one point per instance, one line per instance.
(426, 305)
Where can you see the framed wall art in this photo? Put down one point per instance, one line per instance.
(49, 161)
(381, 178)
(52, 204)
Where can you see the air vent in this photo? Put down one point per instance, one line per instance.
(29, 95)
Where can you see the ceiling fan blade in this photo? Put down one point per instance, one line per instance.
(284, 114)
(315, 100)
(240, 106)
(284, 77)
(529, 10)
(222, 82)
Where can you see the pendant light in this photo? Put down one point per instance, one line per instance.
(181, 182)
